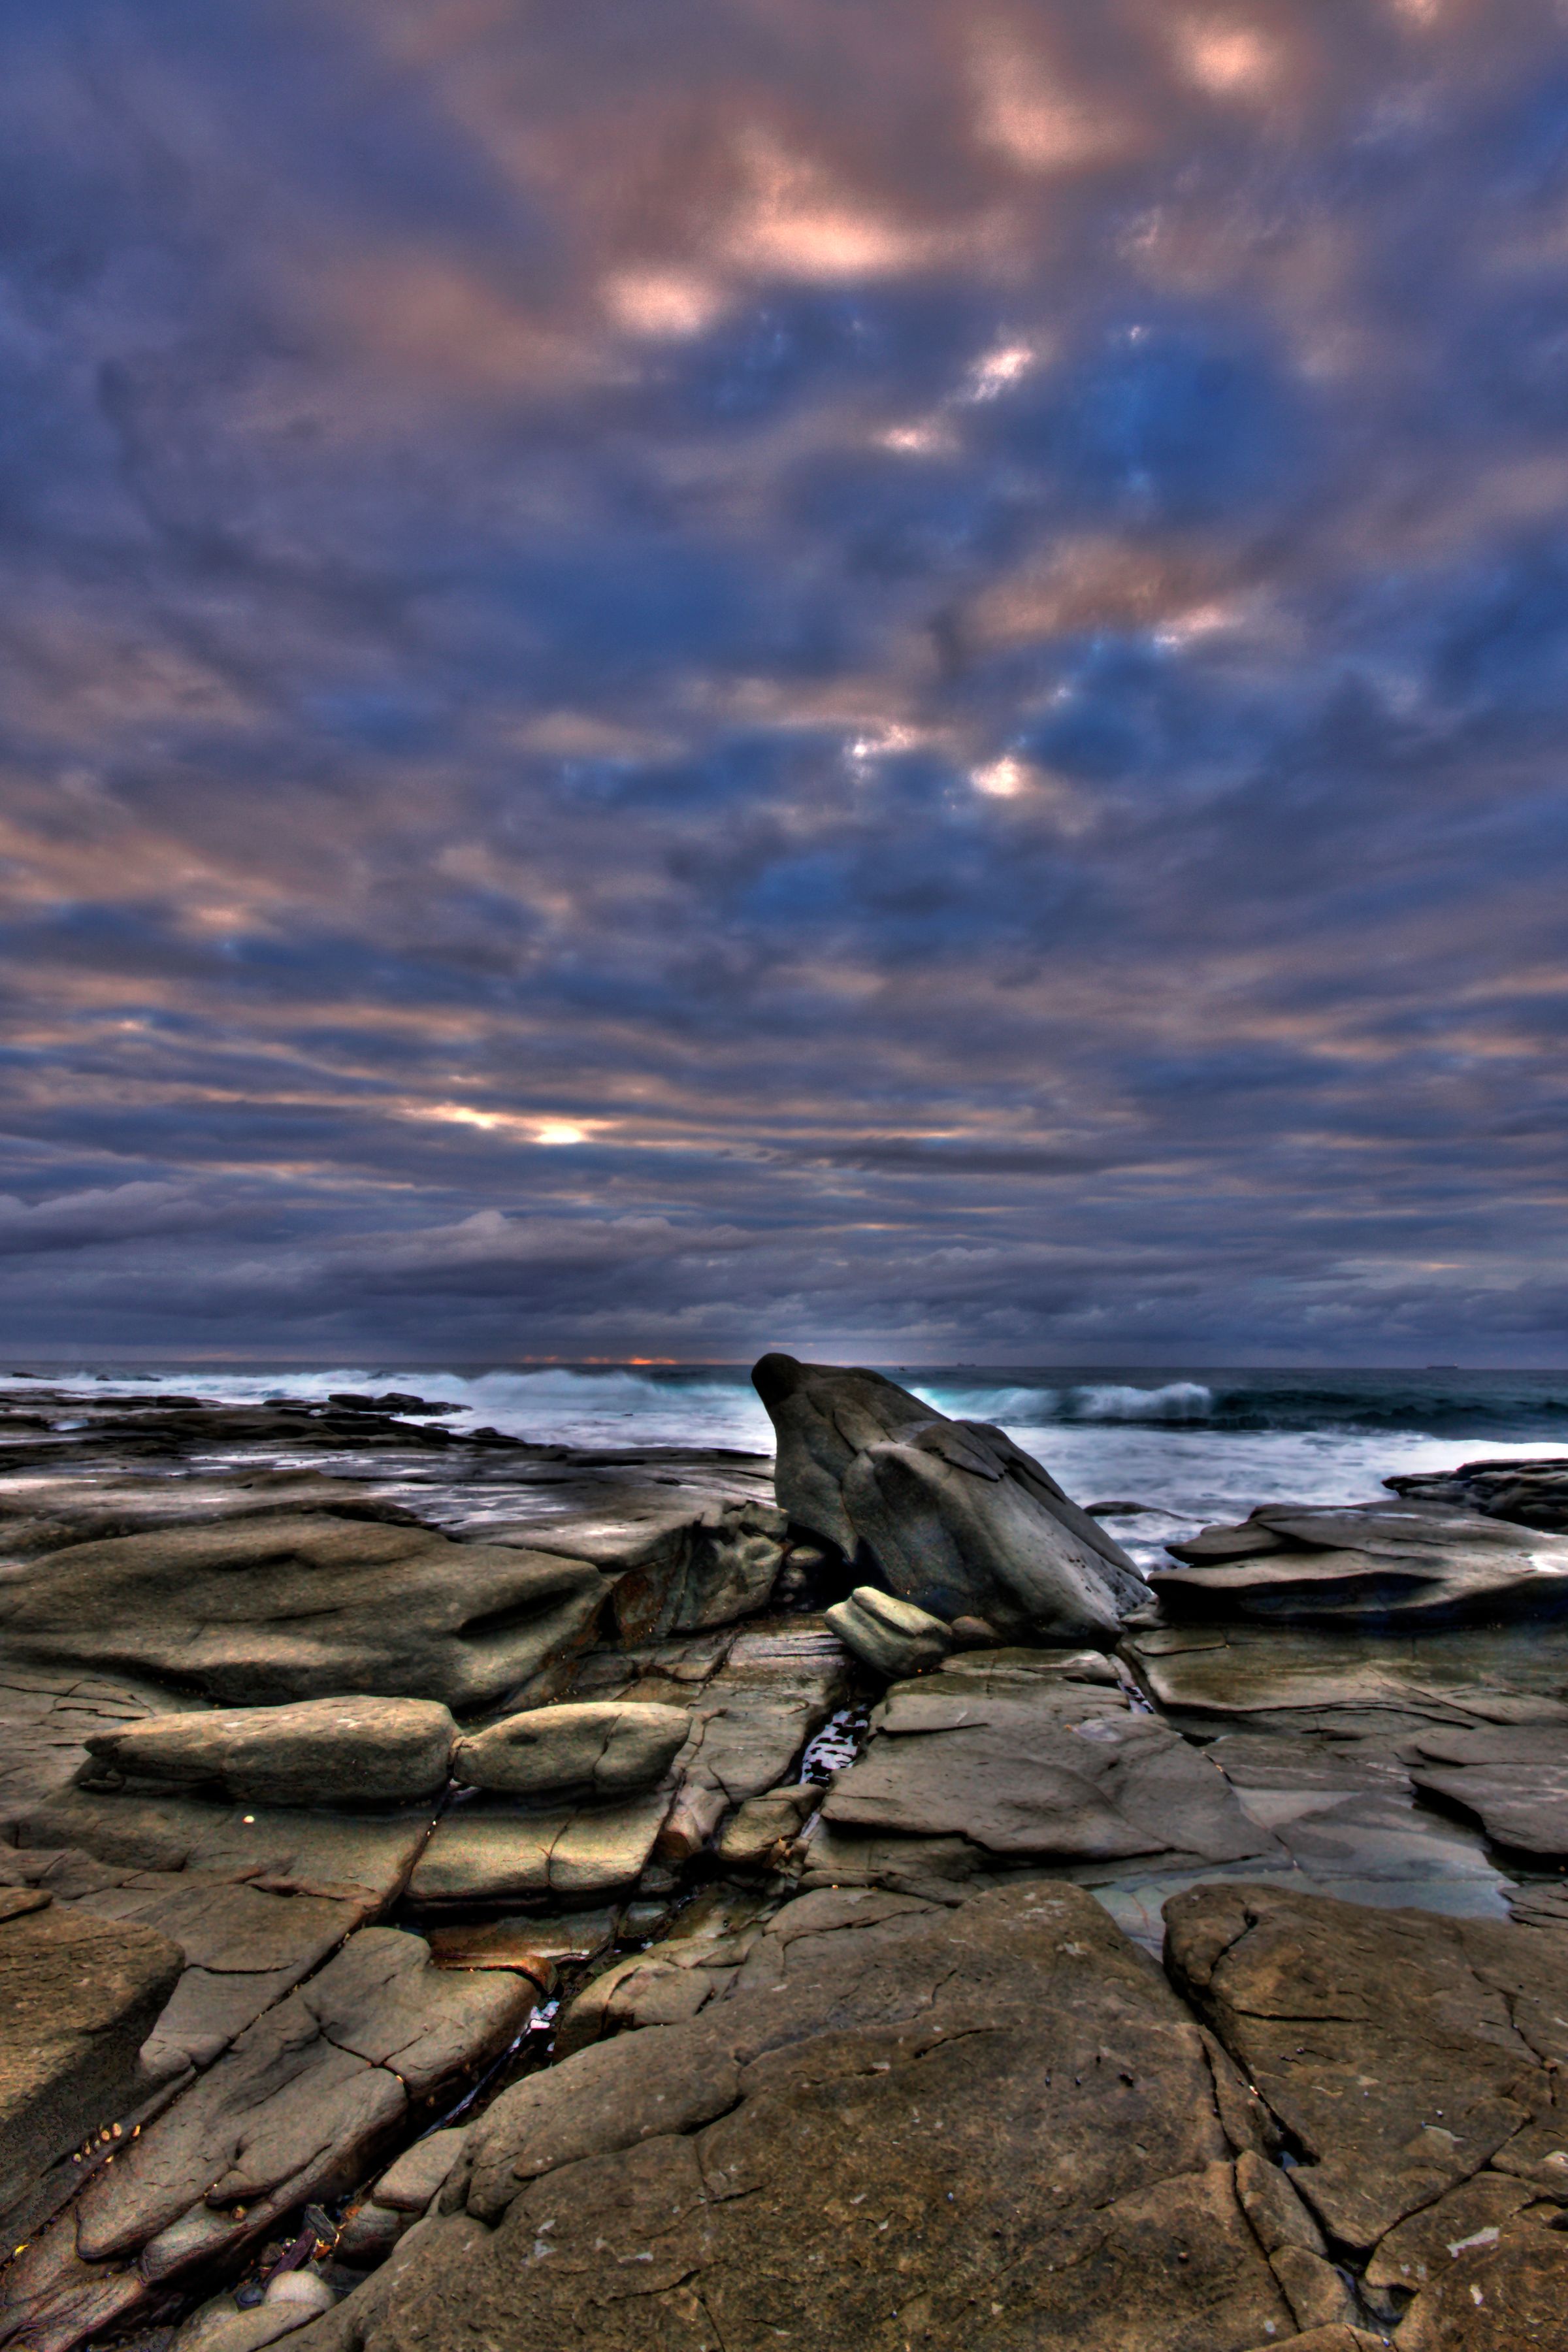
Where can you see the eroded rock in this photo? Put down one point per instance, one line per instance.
(956, 1516)
(990, 2128)
(77, 1998)
(324, 1751)
(306, 1606)
(891, 1636)
(606, 1748)
(1403, 2052)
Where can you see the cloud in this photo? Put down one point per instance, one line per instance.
(682, 680)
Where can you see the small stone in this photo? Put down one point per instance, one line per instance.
(890, 1636)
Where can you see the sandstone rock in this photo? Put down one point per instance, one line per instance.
(281, 1850)
(1394, 2101)
(1038, 1767)
(244, 1948)
(749, 1725)
(1521, 1805)
(756, 1837)
(1531, 1491)
(1496, 2299)
(993, 2128)
(709, 1568)
(299, 2110)
(323, 1751)
(891, 1636)
(409, 2185)
(45, 1718)
(605, 1750)
(956, 1516)
(1468, 2219)
(305, 1606)
(1352, 1683)
(537, 1947)
(77, 1998)
(674, 1978)
(1295, 1565)
(493, 1852)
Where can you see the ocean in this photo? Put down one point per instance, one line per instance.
(1188, 1444)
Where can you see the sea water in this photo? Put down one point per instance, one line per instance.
(1188, 1445)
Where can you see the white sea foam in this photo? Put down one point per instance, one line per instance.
(1153, 1443)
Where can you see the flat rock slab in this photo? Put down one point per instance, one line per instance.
(995, 2128)
(305, 1606)
(77, 1998)
(302, 2107)
(1523, 1806)
(1403, 2052)
(1352, 1685)
(45, 1719)
(283, 1849)
(1047, 1769)
(1381, 1564)
(493, 1852)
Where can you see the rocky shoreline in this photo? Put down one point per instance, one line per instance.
(457, 1891)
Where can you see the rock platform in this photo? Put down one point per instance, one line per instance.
(463, 1891)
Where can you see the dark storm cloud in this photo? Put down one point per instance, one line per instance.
(697, 676)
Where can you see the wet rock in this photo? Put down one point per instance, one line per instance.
(891, 1636)
(77, 1998)
(956, 1516)
(306, 1606)
(1295, 1565)
(537, 1947)
(606, 1749)
(1531, 1491)
(998, 2126)
(675, 1978)
(322, 1752)
(1394, 2101)
(1353, 1684)
(1513, 1780)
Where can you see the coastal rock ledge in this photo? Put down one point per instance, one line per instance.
(468, 1894)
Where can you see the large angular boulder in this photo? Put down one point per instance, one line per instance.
(322, 1751)
(604, 1748)
(77, 1998)
(306, 1606)
(993, 2126)
(951, 1515)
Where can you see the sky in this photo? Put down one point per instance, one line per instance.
(882, 676)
